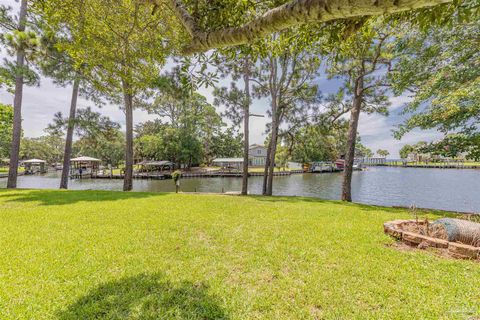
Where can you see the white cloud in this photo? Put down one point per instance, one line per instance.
(41, 103)
(398, 101)
(376, 130)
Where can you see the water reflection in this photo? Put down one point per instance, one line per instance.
(431, 188)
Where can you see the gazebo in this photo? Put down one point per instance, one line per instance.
(33, 166)
(229, 164)
(84, 167)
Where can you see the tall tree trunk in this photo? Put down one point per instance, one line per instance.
(273, 151)
(266, 170)
(246, 124)
(17, 104)
(128, 100)
(268, 174)
(352, 138)
(69, 139)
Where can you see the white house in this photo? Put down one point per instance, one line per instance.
(257, 155)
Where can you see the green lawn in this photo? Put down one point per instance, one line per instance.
(113, 255)
(261, 169)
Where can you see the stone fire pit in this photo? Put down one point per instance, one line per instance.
(460, 238)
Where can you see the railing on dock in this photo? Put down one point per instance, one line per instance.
(440, 165)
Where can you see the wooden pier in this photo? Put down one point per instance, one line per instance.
(81, 176)
(5, 175)
(135, 176)
(426, 166)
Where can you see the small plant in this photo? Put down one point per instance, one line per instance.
(413, 211)
(176, 175)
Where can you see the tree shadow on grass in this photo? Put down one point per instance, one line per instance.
(145, 296)
(64, 197)
(360, 206)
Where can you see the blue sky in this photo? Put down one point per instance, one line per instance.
(41, 103)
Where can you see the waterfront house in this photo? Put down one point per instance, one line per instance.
(257, 155)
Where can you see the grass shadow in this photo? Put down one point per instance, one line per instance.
(361, 206)
(64, 197)
(145, 296)
(289, 199)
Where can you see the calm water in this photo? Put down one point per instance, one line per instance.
(447, 189)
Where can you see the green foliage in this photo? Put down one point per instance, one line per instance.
(176, 175)
(57, 64)
(405, 151)
(6, 126)
(108, 146)
(281, 157)
(226, 144)
(48, 147)
(362, 151)
(129, 44)
(193, 130)
(367, 54)
(441, 68)
(318, 142)
(157, 141)
(88, 123)
(149, 147)
(416, 148)
(383, 153)
(454, 145)
(181, 106)
(14, 40)
(97, 136)
(171, 143)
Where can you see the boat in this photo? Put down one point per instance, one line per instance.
(357, 164)
(322, 166)
(340, 164)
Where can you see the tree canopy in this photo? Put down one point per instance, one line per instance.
(440, 70)
(6, 124)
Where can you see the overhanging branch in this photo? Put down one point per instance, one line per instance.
(185, 18)
(296, 12)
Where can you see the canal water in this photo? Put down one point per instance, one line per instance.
(447, 189)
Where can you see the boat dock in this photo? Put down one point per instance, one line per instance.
(186, 175)
(426, 166)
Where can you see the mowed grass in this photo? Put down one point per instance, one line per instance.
(113, 255)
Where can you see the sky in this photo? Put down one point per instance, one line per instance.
(42, 102)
